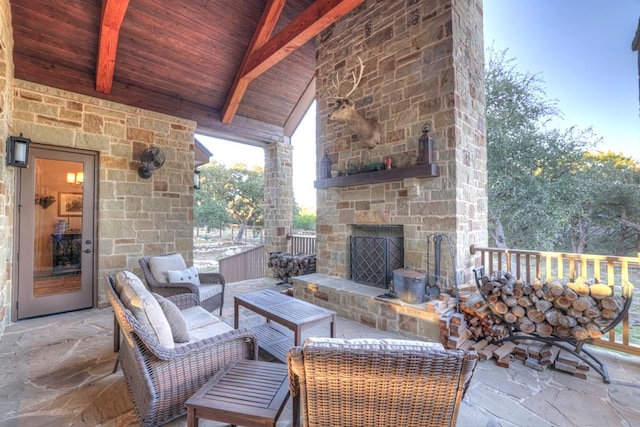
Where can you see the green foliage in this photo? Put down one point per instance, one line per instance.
(302, 219)
(546, 189)
(229, 195)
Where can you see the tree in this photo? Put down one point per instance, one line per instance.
(302, 218)
(229, 195)
(208, 210)
(546, 189)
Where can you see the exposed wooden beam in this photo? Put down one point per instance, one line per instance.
(265, 27)
(258, 59)
(113, 12)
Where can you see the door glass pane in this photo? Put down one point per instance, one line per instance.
(57, 227)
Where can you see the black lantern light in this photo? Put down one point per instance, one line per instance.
(425, 147)
(325, 166)
(18, 151)
(196, 179)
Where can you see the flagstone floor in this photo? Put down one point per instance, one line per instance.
(56, 371)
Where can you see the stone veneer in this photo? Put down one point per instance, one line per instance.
(423, 67)
(135, 216)
(358, 302)
(6, 173)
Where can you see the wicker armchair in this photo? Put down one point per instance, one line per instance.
(210, 292)
(161, 379)
(379, 382)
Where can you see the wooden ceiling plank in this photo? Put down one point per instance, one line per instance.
(113, 12)
(263, 31)
(314, 19)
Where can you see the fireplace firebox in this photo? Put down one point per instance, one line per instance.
(375, 252)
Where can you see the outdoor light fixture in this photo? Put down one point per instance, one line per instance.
(196, 179)
(18, 151)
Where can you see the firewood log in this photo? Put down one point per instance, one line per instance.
(543, 305)
(609, 314)
(610, 303)
(581, 304)
(570, 294)
(517, 292)
(511, 301)
(527, 289)
(544, 329)
(599, 291)
(518, 311)
(526, 325)
(535, 316)
(579, 333)
(579, 286)
(593, 330)
(525, 301)
(592, 312)
(574, 313)
(567, 321)
(562, 331)
(500, 307)
(537, 284)
(553, 316)
(509, 317)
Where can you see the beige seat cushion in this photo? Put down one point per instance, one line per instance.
(161, 264)
(144, 307)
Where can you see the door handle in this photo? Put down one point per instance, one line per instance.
(87, 251)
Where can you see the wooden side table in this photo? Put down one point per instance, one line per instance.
(245, 392)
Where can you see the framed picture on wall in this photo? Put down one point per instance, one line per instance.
(69, 204)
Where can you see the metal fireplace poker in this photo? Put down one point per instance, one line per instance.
(437, 282)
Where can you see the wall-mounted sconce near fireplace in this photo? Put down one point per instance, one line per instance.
(196, 179)
(45, 201)
(18, 151)
(76, 179)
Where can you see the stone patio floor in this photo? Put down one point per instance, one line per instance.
(56, 371)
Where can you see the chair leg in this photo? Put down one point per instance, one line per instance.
(115, 365)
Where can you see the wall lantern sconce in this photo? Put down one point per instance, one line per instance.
(18, 151)
(76, 179)
(425, 147)
(196, 179)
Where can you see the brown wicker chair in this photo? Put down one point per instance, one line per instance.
(379, 382)
(161, 379)
(210, 293)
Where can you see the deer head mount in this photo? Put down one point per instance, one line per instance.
(367, 130)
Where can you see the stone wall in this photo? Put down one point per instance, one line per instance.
(135, 216)
(278, 197)
(6, 173)
(423, 67)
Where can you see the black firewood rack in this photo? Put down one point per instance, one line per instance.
(570, 345)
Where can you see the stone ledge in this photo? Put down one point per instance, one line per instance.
(358, 302)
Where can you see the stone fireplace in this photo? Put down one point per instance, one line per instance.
(423, 67)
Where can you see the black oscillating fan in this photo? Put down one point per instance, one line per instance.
(151, 159)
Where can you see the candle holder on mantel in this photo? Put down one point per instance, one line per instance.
(425, 147)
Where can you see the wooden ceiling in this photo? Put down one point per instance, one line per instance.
(242, 69)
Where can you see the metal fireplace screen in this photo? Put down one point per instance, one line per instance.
(373, 258)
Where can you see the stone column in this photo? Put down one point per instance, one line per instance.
(278, 195)
(7, 184)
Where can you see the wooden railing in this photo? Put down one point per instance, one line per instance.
(302, 244)
(611, 270)
(244, 265)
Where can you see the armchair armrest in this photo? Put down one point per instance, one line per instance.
(185, 300)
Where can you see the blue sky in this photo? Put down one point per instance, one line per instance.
(581, 49)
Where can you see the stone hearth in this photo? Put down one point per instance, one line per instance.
(358, 302)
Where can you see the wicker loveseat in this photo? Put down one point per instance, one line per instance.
(162, 375)
(363, 382)
(208, 287)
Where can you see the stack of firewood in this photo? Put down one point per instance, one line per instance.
(577, 310)
(285, 265)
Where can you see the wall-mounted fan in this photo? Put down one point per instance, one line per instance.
(151, 159)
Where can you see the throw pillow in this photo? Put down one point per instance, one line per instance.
(145, 308)
(177, 323)
(159, 265)
(190, 275)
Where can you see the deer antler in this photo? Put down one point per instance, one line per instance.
(356, 82)
(335, 81)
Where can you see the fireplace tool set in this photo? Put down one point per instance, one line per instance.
(414, 287)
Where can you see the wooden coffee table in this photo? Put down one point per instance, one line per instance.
(293, 314)
(244, 392)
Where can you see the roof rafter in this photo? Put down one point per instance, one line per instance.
(113, 12)
(261, 57)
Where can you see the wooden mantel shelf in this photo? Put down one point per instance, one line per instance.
(429, 170)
